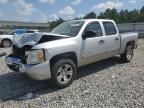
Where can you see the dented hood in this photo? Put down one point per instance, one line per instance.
(35, 38)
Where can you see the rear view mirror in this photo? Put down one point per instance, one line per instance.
(89, 34)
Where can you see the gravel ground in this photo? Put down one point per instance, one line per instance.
(109, 83)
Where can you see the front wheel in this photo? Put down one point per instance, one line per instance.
(14, 68)
(63, 72)
(128, 54)
(6, 43)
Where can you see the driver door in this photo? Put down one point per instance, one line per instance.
(93, 46)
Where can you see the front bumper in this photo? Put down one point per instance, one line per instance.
(36, 72)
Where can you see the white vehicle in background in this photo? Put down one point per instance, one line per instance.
(7, 39)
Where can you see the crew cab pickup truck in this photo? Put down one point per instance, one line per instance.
(58, 54)
(7, 39)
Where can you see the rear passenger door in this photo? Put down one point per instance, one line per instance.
(111, 38)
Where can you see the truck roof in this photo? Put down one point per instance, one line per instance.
(94, 20)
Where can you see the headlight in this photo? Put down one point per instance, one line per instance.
(35, 56)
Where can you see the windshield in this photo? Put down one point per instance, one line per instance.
(70, 28)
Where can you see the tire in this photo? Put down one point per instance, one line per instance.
(6, 43)
(13, 68)
(63, 72)
(128, 54)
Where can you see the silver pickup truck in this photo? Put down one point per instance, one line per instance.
(56, 55)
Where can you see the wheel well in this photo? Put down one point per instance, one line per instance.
(6, 39)
(70, 55)
(131, 43)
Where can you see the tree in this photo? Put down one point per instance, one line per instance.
(142, 10)
(101, 16)
(134, 16)
(90, 15)
(124, 16)
(110, 14)
(141, 16)
(53, 24)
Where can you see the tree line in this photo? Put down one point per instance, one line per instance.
(122, 16)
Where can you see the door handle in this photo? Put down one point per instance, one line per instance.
(101, 41)
(116, 38)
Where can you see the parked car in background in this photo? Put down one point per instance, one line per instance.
(72, 44)
(7, 39)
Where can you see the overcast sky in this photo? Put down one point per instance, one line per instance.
(47, 10)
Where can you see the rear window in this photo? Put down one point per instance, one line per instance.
(109, 28)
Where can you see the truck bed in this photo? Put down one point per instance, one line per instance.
(126, 37)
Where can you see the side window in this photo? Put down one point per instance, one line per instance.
(95, 27)
(109, 28)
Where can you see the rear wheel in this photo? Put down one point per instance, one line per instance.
(128, 54)
(6, 43)
(63, 72)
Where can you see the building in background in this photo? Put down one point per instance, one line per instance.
(7, 26)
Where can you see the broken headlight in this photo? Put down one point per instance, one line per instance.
(35, 56)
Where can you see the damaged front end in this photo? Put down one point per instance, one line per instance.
(26, 59)
(21, 44)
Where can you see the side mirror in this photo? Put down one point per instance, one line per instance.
(88, 34)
